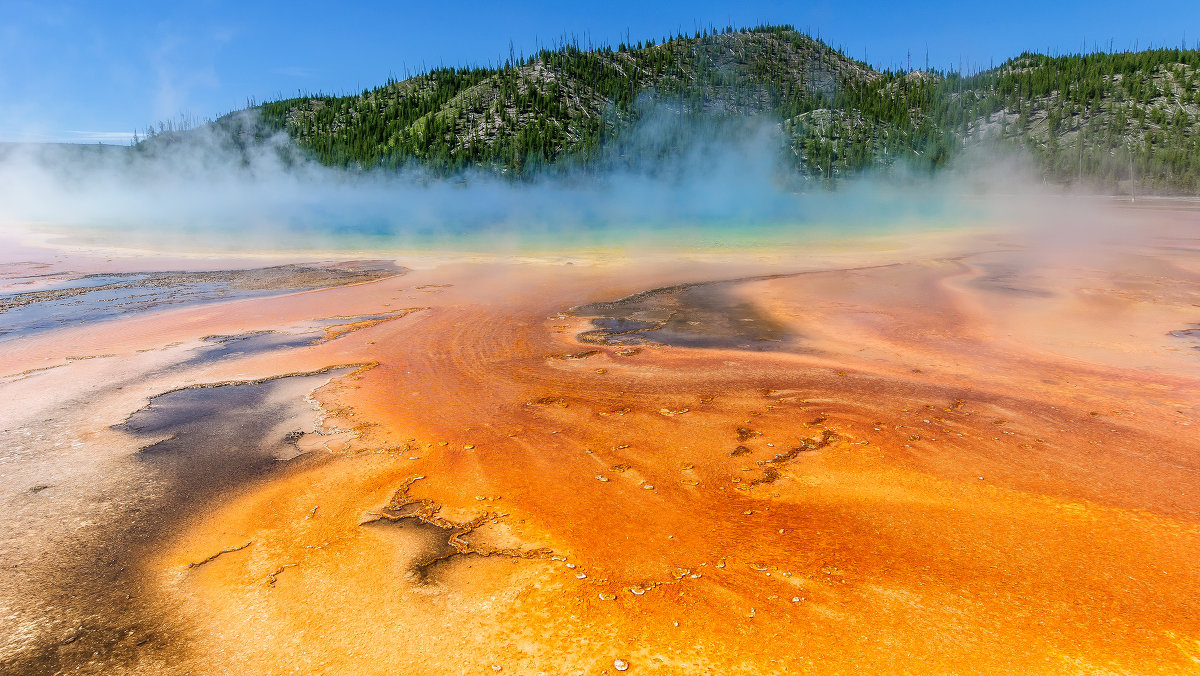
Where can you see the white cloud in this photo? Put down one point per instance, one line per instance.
(182, 65)
(76, 136)
(296, 72)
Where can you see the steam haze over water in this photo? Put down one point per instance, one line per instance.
(199, 193)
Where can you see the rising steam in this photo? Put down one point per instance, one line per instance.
(725, 189)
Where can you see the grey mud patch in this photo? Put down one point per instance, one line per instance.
(90, 608)
(231, 346)
(1007, 280)
(701, 315)
(432, 542)
(98, 297)
(207, 438)
(1190, 334)
(218, 348)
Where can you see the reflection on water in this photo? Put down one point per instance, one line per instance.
(105, 296)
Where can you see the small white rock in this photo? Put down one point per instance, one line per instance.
(620, 665)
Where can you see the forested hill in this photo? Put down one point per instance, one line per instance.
(1101, 118)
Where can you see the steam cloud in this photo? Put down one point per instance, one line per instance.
(726, 188)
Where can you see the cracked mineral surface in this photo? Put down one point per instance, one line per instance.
(926, 454)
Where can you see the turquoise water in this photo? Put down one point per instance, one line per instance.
(502, 218)
(729, 191)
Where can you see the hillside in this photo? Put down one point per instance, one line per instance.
(1099, 118)
(1104, 116)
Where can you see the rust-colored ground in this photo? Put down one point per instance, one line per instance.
(968, 459)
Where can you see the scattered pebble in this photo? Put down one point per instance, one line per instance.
(605, 596)
(620, 665)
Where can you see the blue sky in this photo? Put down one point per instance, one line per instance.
(87, 71)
